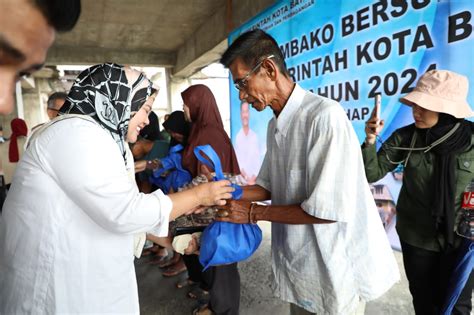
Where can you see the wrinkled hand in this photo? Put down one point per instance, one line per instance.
(214, 193)
(236, 211)
(373, 127)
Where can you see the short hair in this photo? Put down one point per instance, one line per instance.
(253, 46)
(56, 96)
(62, 15)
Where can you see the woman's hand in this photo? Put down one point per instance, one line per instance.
(206, 194)
(373, 126)
(214, 193)
(197, 210)
(140, 166)
(153, 164)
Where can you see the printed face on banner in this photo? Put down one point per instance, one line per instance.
(244, 114)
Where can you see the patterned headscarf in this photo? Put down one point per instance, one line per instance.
(104, 93)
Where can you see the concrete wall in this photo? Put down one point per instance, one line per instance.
(210, 40)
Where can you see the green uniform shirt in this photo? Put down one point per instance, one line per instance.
(415, 224)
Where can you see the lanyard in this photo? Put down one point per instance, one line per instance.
(424, 149)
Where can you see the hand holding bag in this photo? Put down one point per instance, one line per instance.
(223, 242)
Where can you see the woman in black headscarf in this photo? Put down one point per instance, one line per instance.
(178, 128)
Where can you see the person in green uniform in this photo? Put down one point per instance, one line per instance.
(437, 156)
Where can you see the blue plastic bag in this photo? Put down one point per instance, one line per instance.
(460, 276)
(223, 242)
(178, 177)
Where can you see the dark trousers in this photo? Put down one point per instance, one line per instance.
(428, 276)
(194, 269)
(224, 284)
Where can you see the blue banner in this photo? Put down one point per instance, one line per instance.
(350, 50)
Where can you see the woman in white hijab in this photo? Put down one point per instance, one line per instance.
(66, 234)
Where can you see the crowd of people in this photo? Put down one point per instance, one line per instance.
(100, 180)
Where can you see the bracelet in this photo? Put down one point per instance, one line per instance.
(250, 213)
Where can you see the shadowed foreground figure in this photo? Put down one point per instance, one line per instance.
(27, 30)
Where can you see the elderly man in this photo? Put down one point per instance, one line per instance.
(329, 249)
(55, 101)
(27, 30)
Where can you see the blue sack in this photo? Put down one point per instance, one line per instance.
(223, 242)
(178, 177)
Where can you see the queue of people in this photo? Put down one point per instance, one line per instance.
(73, 215)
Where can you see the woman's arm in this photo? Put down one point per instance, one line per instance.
(377, 164)
(206, 194)
(86, 165)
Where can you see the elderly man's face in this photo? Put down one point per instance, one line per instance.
(258, 89)
(25, 37)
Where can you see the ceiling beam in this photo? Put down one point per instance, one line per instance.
(210, 40)
(92, 55)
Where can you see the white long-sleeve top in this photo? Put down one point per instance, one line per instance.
(66, 232)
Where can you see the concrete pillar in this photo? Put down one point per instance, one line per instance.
(19, 100)
(178, 85)
(168, 89)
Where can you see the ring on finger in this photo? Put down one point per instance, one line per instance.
(222, 213)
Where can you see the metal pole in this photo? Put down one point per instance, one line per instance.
(19, 101)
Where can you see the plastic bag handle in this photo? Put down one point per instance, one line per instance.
(216, 162)
(216, 166)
